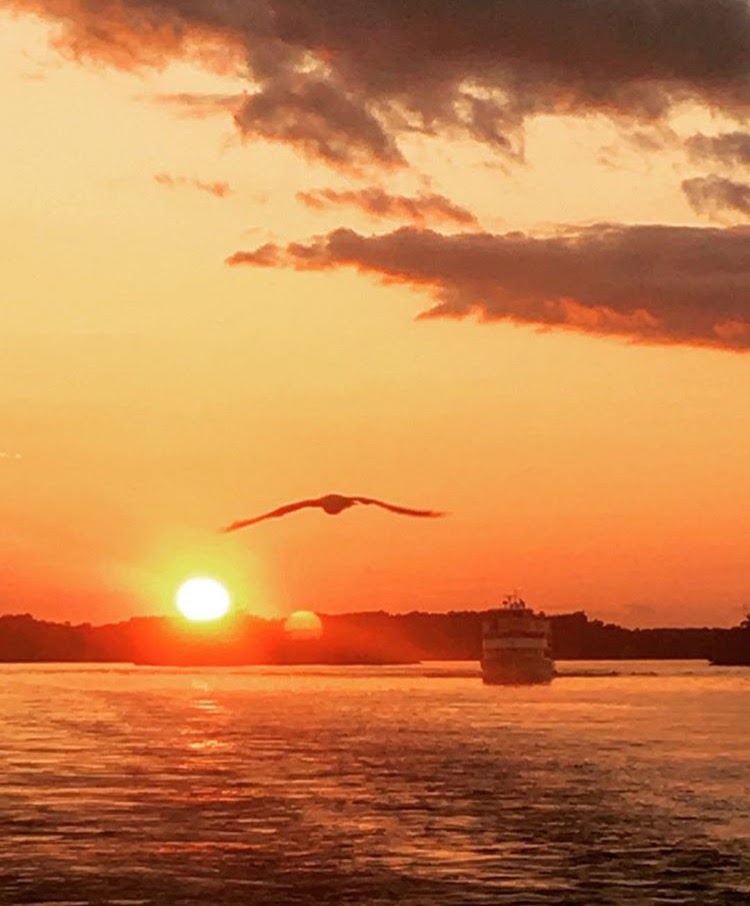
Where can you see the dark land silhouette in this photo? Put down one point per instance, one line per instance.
(354, 638)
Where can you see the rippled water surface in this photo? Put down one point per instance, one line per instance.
(413, 785)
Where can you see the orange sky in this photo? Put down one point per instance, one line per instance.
(150, 393)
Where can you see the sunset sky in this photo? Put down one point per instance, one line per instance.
(491, 258)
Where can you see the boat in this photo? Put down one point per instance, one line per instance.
(515, 645)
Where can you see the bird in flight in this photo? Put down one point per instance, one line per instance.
(333, 504)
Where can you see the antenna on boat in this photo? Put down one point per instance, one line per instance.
(514, 601)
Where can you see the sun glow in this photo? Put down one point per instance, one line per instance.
(303, 625)
(203, 599)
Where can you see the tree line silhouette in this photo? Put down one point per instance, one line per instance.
(354, 638)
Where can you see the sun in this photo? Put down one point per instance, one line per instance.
(202, 599)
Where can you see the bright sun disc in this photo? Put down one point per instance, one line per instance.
(202, 599)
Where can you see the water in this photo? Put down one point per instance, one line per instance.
(415, 785)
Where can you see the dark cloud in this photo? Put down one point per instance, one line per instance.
(318, 120)
(344, 80)
(713, 194)
(650, 284)
(421, 209)
(218, 189)
(727, 148)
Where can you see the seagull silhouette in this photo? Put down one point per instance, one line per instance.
(333, 504)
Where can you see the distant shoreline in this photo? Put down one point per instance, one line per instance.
(370, 638)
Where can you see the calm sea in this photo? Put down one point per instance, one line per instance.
(621, 783)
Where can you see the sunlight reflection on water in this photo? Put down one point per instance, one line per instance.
(413, 785)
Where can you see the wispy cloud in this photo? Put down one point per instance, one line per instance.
(727, 148)
(218, 189)
(267, 255)
(422, 209)
(713, 195)
(649, 284)
(200, 106)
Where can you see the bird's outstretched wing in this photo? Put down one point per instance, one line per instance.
(403, 510)
(279, 511)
